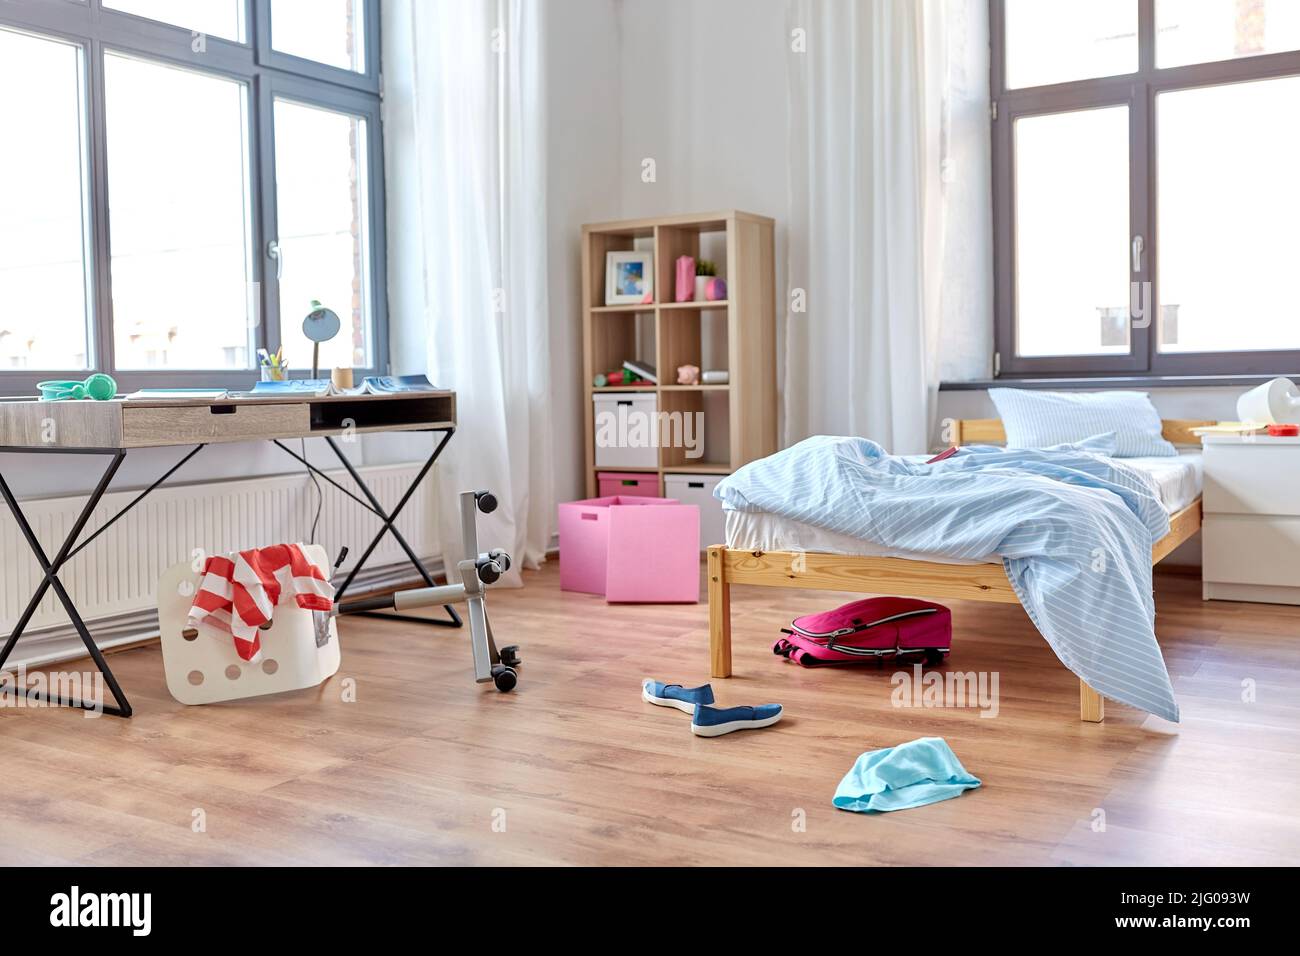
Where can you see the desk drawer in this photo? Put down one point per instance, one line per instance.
(1252, 479)
(182, 424)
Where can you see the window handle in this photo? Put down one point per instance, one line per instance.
(1138, 246)
(273, 251)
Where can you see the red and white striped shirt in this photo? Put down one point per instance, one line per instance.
(238, 593)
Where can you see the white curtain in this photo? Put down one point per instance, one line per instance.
(464, 125)
(865, 219)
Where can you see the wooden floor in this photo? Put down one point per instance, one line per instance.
(428, 767)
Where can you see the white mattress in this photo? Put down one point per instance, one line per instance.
(1176, 479)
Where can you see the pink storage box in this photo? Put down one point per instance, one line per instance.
(630, 484)
(631, 548)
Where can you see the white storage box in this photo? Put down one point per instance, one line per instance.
(698, 490)
(626, 430)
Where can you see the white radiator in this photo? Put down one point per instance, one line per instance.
(112, 582)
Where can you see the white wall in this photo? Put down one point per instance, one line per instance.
(704, 95)
(697, 86)
(700, 87)
(585, 126)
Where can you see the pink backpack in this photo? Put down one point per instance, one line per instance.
(872, 629)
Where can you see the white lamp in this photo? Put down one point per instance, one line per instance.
(1272, 403)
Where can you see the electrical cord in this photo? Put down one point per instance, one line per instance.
(320, 494)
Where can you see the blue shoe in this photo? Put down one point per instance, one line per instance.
(716, 721)
(675, 695)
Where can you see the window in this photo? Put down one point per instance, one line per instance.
(327, 31)
(179, 216)
(45, 296)
(1144, 190)
(218, 18)
(192, 174)
(321, 193)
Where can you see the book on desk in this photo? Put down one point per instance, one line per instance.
(296, 387)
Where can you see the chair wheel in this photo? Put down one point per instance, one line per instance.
(504, 677)
(510, 656)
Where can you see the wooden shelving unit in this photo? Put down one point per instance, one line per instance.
(668, 333)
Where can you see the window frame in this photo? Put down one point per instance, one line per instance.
(267, 74)
(1137, 91)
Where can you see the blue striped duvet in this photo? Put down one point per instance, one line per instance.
(1073, 527)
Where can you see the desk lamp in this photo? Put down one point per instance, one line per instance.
(321, 325)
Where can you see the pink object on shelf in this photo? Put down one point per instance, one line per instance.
(685, 278)
(630, 484)
(715, 290)
(629, 548)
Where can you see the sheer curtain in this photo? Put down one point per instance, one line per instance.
(464, 126)
(865, 220)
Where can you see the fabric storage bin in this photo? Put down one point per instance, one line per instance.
(621, 418)
(631, 548)
(630, 484)
(698, 490)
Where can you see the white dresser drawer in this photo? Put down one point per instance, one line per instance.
(1251, 479)
(1257, 550)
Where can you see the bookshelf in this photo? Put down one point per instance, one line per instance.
(738, 334)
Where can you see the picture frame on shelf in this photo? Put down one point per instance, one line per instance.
(629, 277)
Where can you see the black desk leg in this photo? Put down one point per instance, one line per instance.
(51, 579)
(390, 527)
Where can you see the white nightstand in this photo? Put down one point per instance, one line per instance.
(1251, 526)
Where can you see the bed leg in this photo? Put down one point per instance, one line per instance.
(1092, 706)
(719, 613)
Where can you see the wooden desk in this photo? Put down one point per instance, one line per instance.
(26, 424)
(116, 427)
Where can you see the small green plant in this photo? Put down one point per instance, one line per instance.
(705, 267)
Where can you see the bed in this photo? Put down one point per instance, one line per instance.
(825, 563)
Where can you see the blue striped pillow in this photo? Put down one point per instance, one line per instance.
(1035, 419)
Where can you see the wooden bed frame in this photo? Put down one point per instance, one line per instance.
(904, 576)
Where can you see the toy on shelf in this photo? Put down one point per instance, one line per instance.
(618, 377)
(688, 375)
